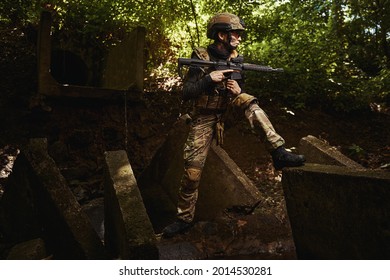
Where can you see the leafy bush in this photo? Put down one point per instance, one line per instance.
(335, 53)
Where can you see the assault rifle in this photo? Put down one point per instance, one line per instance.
(236, 64)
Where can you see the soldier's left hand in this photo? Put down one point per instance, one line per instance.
(233, 87)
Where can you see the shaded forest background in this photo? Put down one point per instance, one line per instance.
(335, 53)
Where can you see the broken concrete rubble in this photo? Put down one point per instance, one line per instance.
(29, 250)
(221, 229)
(46, 208)
(336, 212)
(337, 209)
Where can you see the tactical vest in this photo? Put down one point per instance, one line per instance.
(211, 102)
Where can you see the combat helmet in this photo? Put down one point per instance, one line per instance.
(224, 22)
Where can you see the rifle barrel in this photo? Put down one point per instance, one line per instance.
(260, 68)
(243, 66)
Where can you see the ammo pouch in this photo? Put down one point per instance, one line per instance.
(215, 103)
(211, 103)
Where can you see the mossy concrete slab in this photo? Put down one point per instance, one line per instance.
(128, 231)
(318, 151)
(337, 212)
(68, 233)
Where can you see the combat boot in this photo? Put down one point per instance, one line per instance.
(177, 227)
(282, 158)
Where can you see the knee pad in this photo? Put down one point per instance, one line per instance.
(243, 100)
(193, 174)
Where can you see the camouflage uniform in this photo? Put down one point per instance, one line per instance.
(195, 153)
(210, 102)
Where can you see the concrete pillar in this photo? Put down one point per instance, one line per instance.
(125, 63)
(67, 230)
(128, 231)
(46, 83)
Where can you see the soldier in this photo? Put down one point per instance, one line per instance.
(212, 94)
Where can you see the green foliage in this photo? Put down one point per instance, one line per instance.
(336, 54)
(356, 151)
(16, 12)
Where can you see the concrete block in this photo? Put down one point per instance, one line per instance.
(125, 81)
(337, 212)
(124, 67)
(68, 232)
(223, 184)
(128, 231)
(29, 250)
(317, 151)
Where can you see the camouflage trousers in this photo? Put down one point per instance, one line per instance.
(197, 146)
(196, 149)
(258, 119)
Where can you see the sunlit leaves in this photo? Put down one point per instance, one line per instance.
(335, 53)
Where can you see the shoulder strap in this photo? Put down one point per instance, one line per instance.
(202, 53)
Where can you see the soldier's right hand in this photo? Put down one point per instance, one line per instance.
(219, 75)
